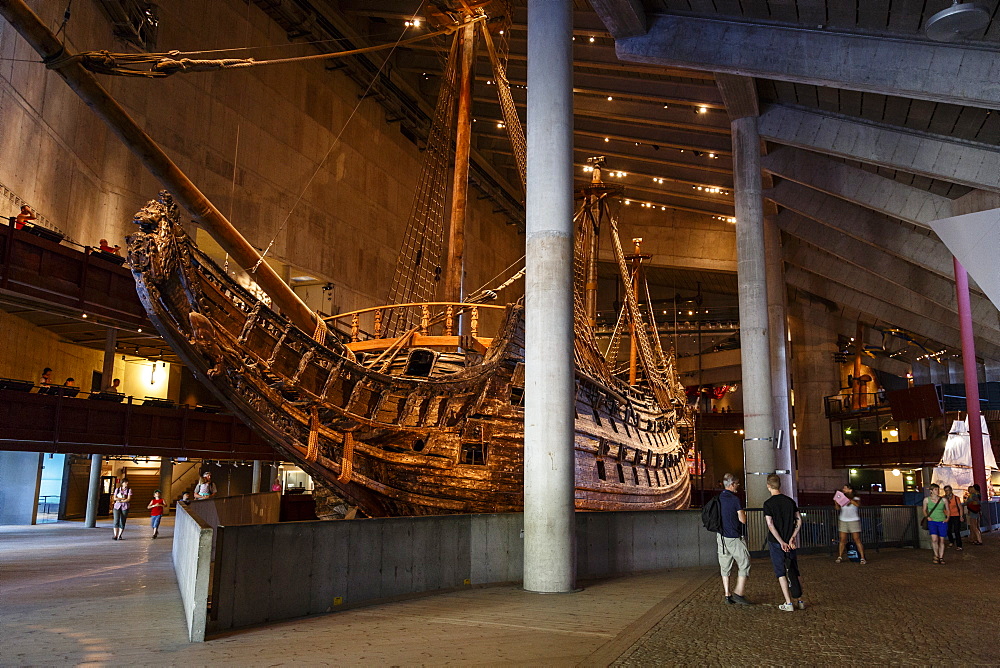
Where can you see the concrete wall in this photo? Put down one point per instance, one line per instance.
(268, 573)
(192, 557)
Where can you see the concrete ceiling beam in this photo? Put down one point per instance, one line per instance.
(856, 185)
(934, 156)
(918, 69)
(876, 311)
(897, 275)
(918, 246)
(739, 94)
(622, 18)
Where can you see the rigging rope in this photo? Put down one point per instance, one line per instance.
(166, 64)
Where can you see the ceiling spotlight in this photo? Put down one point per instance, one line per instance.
(610, 98)
(702, 110)
(607, 139)
(591, 40)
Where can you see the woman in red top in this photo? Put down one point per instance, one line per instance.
(156, 508)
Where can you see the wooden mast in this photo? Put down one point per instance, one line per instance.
(637, 259)
(84, 84)
(460, 178)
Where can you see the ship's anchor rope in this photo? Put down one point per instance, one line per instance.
(347, 460)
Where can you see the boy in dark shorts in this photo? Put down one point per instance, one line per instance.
(783, 524)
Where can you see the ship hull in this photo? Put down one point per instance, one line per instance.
(392, 444)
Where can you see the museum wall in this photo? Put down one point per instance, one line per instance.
(250, 139)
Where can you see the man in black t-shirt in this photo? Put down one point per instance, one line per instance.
(783, 524)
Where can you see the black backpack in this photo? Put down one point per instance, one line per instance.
(711, 515)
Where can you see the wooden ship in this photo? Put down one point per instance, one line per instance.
(409, 408)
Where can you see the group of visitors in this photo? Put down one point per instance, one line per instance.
(783, 524)
(122, 498)
(943, 516)
(46, 381)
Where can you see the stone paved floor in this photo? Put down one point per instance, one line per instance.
(899, 609)
(72, 596)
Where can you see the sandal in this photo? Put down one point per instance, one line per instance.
(839, 559)
(863, 562)
(936, 561)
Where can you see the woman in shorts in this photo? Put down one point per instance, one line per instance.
(849, 523)
(936, 513)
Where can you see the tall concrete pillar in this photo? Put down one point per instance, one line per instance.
(166, 479)
(549, 546)
(255, 482)
(971, 377)
(777, 319)
(755, 343)
(921, 374)
(93, 492)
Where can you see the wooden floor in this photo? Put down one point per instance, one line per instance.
(70, 595)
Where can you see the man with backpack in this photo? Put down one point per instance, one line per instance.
(725, 515)
(783, 524)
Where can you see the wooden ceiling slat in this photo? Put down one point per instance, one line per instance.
(812, 12)
(807, 94)
(873, 14)
(944, 118)
(905, 16)
(785, 92)
(989, 133)
(731, 7)
(828, 98)
(970, 121)
(897, 109)
(702, 6)
(756, 9)
(841, 14)
(920, 114)
(873, 106)
(783, 10)
(850, 103)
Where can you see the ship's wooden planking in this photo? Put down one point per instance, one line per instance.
(447, 441)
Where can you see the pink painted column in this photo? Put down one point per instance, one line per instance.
(971, 378)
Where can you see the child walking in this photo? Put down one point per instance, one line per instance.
(156, 507)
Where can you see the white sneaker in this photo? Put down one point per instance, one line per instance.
(802, 605)
(786, 607)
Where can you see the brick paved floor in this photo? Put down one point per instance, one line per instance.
(898, 609)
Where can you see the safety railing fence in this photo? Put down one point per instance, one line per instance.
(881, 526)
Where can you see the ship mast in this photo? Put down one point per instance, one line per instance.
(637, 257)
(84, 84)
(453, 283)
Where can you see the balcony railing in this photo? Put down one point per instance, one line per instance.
(888, 454)
(840, 405)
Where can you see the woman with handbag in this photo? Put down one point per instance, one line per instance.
(121, 497)
(973, 506)
(935, 520)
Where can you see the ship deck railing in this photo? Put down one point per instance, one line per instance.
(437, 325)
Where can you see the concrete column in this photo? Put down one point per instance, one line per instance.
(755, 344)
(93, 492)
(19, 496)
(938, 372)
(255, 482)
(166, 479)
(549, 393)
(108, 368)
(971, 377)
(777, 318)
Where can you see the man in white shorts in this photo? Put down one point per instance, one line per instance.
(731, 548)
